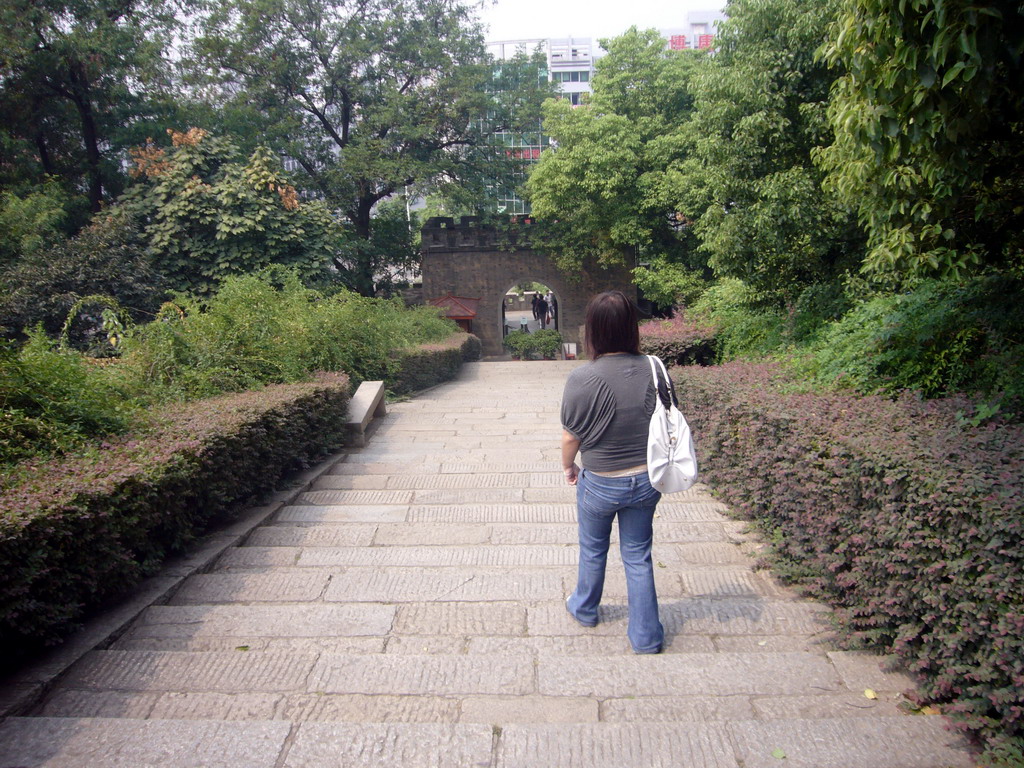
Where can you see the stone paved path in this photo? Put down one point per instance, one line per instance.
(408, 611)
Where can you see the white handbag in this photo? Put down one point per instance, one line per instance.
(671, 461)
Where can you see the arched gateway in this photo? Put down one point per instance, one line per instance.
(473, 261)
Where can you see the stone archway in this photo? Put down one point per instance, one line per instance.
(467, 259)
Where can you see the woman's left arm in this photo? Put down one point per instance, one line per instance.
(570, 447)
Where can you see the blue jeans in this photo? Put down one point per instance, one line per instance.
(598, 500)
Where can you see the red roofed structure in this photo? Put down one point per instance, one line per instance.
(458, 308)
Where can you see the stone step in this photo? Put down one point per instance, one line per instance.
(666, 555)
(599, 677)
(339, 616)
(419, 583)
(893, 742)
(362, 708)
(307, 511)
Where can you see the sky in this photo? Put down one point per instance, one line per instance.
(516, 19)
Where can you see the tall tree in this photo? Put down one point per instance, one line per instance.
(750, 181)
(367, 96)
(603, 190)
(206, 213)
(76, 79)
(929, 132)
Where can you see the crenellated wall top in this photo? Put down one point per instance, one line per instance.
(442, 233)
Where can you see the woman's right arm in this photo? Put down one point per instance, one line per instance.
(570, 447)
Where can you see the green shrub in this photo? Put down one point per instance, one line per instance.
(268, 328)
(518, 343)
(427, 365)
(543, 343)
(105, 258)
(902, 515)
(52, 400)
(745, 328)
(82, 529)
(546, 343)
(817, 306)
(941, 337)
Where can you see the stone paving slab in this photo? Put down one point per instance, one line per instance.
(461, 619)
(287, 586)
(425, 534)
(326, 745)
(681, 710)
(359, 708)
(363, 469)
(614, 744)
(117, 743)
(309, 513)
(861, 670)
(154, 639)
(722, 674)
(528, 709)
(416, 584)
(470, 496)
(214, 672)
(688, 616)
(353, 535)
(423, 675)
(834, 705)
(729, 583)
(576, 645)
(311, 620)
(493, 513)
(710, 553)
(356, 497)
(460, 468)
(567, 533)
(900, 742)
(452, 556)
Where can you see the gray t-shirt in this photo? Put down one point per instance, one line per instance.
(607, 405)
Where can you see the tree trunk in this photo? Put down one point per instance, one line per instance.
(90, 136)
(362, 275)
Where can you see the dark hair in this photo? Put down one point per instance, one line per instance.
(611, 325)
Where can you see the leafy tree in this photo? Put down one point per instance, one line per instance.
(604, 190)
(928, 132)
(367, 96)
(31, 222)
(205, 214)
(105, 258)
(749, 181)
(77, 79)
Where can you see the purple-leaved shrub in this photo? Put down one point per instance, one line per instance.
(81, 529)
(683, 340)
(900, 513)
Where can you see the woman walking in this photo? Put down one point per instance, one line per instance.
(606, 410)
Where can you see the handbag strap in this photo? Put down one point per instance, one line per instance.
(663, 387)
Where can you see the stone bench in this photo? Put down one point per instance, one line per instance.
(367, 402)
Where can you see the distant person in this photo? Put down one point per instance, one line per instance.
(606, 410)
(535, 302)
(542, 312)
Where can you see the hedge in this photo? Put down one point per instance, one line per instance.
(680, 341)
(902, 514)
(82, 529)
(429, 364)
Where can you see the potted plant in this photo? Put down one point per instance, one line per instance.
(518, 343)
(547, 343)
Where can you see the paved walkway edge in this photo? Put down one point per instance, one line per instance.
(24, 689)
